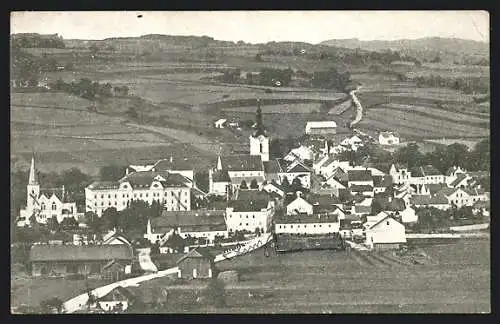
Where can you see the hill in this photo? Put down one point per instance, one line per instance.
(422, 48)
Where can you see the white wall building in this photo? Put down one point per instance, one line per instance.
(306, 224)
(321, 127)
(388, 138)
(299, 206)
(249, 215)
(387, 233)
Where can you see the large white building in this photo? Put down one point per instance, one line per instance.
(251, 210)
(173, 190)
(386, 233)
(321, 127)
(44, 203)
(307, 224)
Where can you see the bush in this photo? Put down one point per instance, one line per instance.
(216, 293)
(75, 276)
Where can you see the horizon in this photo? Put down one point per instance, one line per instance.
(257, 27)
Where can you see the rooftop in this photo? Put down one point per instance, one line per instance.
(428, 200)
(188, 218)
(174, 164)
(242, 163)
(80, 253)
(359, 175)
(198, 253)
(308, 219)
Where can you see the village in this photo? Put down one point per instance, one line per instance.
(307, 199)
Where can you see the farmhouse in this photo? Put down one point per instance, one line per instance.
(385, 234)
(326, 223)
(199, 263)
(170, 189)
(45, 203)
(388, 138)
(352, 143)
(399, 174)
(249, 215)
(49, 260)
(462, 197)
(460, 181)
(295, 170)
(453, 172)
(302, 153)
(321, 128)
(436, 201)
(426, 175)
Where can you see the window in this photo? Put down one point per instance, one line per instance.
(291, 226)
(102, 203)
(42, 206)
(247, 216)
(95, 196)
(387, 222)
(140, 195)
(253, 216)
(115, 195)
(135, 195)
(102, 196)
(109, 196)
(54, 206)
(240, 224)
(246, 224)
(319, 225)
(123, 196)
(146, 195)
(109, 203)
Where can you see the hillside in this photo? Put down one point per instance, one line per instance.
(426, 48)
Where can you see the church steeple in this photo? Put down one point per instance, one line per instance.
(33, 179)
(260, 130)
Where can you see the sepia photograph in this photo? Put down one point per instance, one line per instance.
(250, 162)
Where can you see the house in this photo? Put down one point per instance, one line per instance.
(43, 204)
(481, 207)
(295, 170)
(365, 190)
(399, 174)
(115, 270)
(201, 224)
(220, 123)
(327, 204)
(173, 190)
(302, 153)
(352, 143)
(460, 197)
(408, 215)
(381, 183)
(275, 187)
(171, 165)
(426, 175)
(351, 227)
(359, 178)
(118, 299)
(250, 211)
(388, 138)
(334, 180)
(326, 223)
(460, 181)
(453, 172)
(198, 263)
(391, 205)
(49, 260)
(385, 234)
(321, 128)
(299, 206)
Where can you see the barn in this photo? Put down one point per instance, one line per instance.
(60, 260)
(199, 263)
(385, 234)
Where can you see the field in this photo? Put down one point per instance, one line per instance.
(454, 279)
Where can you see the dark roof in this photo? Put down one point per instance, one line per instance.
(48, 192)
(429, 170)
(176, 164)
(303, 218)
(220, 176)
(242, 163)
(199, 253)
(363, 209)
(361, 188)
(298, 168)
(382, 181)
(340, 175)
(417, 172)
(80, 253)
(359, 175)
(396, 204)
(272, 166)
(248, 206)
(428, 200)
(170, 219)
(323, 200)
(435, 187)
(459, 178)
(252, 195)
(446, 191)
(276, 184)
(143, 179)
(203, 228)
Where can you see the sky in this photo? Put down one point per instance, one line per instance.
(258, 26)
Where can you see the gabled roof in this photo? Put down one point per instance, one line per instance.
(197, 253)
(362, 209)
(298, 167)
(104, 185)
(361, 188)
(428, 200)
(323, 200)
(242, 163)
(452, 170)
(434, 188)
(447, 191)
(460, 178)
(359, 175)
(272, 166)
(396, 204)
(380, 221)
(429, 170)
(48, 192)
(248, 206)
(220, 176)
(308, 219)
(80, 253)
(170, 219)
(382, 181)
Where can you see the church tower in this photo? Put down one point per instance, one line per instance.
(259, 141)
(33, 188)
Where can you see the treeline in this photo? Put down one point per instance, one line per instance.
(352, 57)
(89, 89)
(27, 68)
(467, 85)
(327, 79)
(37, 40)
(442, 158)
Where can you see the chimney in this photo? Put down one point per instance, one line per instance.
(299, 194)
(390, 199)
(63, 192)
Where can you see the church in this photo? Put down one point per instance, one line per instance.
(44, 203)
(233, 171)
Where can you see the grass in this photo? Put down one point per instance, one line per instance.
(298, 108)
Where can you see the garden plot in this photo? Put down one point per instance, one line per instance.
(49, 99)
(298, 108)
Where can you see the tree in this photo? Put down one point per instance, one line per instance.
(286, 184)
(53, 224)
(297, 184)
(254, 184)
(243, 185)
(409, 155)
(132, 113)
(216, 293)
(112, 172)
(110, 219)
(201, 180)
(258, 57)
(69, 223)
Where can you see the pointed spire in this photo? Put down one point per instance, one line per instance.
(171, 158)
(33, 179)
(258, 120)
(148, 229)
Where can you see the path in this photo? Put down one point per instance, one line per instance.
(359, 107)
(79, 302)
